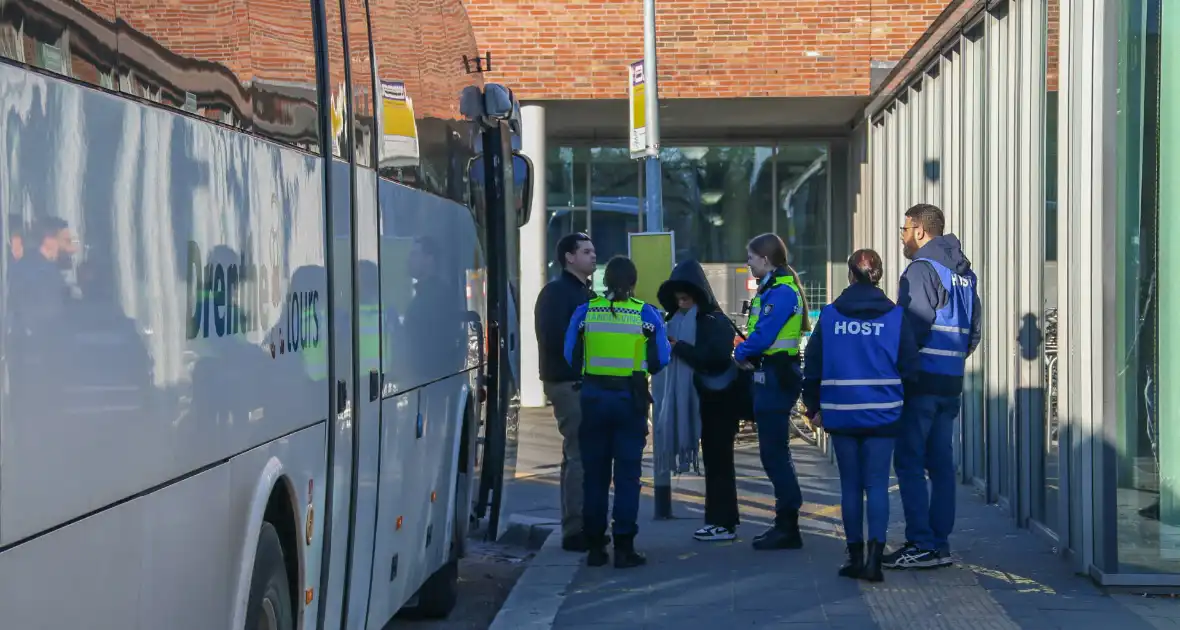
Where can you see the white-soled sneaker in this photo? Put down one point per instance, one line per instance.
(711, 533)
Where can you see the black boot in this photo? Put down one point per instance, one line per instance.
(855, 563)
(625, 555)
(785, 534)
(575, 543)
(596, 555)
(872, 568)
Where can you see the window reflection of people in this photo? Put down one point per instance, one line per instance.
(110, 368)
(16, 241)
(433, 322)
(38, 289)
(37, 305)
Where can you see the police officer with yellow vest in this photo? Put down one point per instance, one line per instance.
(861, 361)
(778, 317)
(615, 342)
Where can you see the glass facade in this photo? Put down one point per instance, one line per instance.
(715, 199)
(1148, 522)
(1050, 136)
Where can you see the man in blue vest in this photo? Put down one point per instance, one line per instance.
(938, 293)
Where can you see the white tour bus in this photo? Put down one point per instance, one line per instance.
(258, 334)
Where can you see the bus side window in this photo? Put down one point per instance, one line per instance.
(219, 38)
(443, 137)
(360, 61)
(338, 135)
(81, 46)
(283, 90)
(396, 47)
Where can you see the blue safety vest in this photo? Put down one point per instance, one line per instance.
(945, 351)
(861, 387)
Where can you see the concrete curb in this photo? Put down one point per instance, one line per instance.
(529, 532)
(538, 594)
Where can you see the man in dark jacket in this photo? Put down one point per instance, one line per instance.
(555, 308)
(938, 293)
(711, 358)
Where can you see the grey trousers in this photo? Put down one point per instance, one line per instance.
(567, 409)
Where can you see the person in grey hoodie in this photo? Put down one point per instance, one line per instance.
(942, 307)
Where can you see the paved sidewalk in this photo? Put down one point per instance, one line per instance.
(1005, 577)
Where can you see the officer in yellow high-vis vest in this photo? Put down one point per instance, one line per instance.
(778, 317)
(615, 342)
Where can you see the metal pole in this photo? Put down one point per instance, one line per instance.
(655, 197)
(655, 223)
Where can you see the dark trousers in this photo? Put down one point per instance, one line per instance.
(612, 435)
(925, 448)
(864, 475)
(719, 427)
(774, 398)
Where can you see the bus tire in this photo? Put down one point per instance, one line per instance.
(440, 593)
(269, 605)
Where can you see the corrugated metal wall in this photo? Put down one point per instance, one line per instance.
(967, 132)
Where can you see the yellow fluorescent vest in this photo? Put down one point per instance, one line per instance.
(788, 338)
(614, 343)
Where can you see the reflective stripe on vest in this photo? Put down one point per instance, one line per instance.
(614, 342)
(945, 351)
(860, 387)
(788, 337)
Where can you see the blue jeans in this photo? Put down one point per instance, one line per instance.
(925, 447)
(772, 412)
(864, 473)
(613, 433)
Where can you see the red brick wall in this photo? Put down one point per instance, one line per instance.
(560, 49)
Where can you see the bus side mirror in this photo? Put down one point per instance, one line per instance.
(522, 184)
(522, 187)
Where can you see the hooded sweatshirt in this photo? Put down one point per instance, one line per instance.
(712, 353)
(860, 301)
(921, 294)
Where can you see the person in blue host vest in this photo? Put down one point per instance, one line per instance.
(778, 318)
(938, 293)
(861, 360)
(615, 341)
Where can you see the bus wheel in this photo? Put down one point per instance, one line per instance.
(270, 592)
(437, 597)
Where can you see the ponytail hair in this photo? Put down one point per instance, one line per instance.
(620, 279)
(866, 267)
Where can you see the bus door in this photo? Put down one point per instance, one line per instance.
(504, 178)
(366, 314)
(349, 201)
